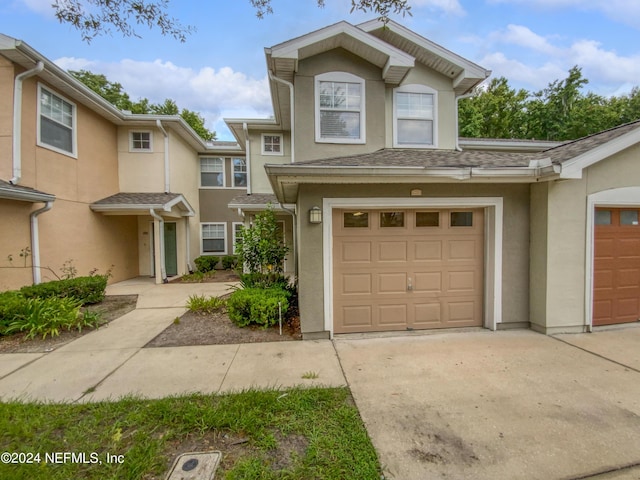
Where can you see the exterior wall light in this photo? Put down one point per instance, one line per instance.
(315, 215)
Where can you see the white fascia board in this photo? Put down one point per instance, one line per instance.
(25, 196)
(291, 48)
(179, 200)
(573, 168)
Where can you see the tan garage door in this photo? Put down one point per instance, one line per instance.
(616, 279)
(407, 269)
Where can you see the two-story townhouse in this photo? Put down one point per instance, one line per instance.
(399, 225)
(83, 182)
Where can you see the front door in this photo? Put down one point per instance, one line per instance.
(170, 249)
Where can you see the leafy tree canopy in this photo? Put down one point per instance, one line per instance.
(561, 111)
(97, 17)
(114, 94)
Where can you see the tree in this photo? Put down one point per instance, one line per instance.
(261, 248)
(97, 17)
(114, 94)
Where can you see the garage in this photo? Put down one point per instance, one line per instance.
(616, 279)
(407, 269)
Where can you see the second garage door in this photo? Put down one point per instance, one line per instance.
(407, 269)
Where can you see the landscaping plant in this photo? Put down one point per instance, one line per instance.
(205, 305)
(261, 248)
(206, 263)
(259, 306)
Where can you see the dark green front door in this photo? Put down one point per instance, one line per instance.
(170, 249)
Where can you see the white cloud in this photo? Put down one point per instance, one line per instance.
(214, 93)
(452, 7)
(623, 11)
(605, 69)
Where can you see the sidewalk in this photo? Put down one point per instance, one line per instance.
(110, 362)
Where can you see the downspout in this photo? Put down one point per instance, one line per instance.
(35, 241)
(163, 273)
(17, 121)
(458, 98)
(167, 181)
(247, 149)
(295, 239)
(292, 107)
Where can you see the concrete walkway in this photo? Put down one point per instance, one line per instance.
(110, 362)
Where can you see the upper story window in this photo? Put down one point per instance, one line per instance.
(272, 144)
(414, 119)
(56, 122)
(140, 142)
(239, 172)
(340, 108)
(211, 172)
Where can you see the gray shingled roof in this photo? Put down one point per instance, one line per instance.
(20, 192)
(254, 199)
(149, 199)
(397, 157)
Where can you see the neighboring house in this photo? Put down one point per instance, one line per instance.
(84, 182)
(394, 222)
(399, 225)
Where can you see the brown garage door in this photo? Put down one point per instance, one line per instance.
(407, 269)
(616, 278)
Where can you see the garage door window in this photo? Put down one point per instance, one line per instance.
(391, 219)
(356, 220)
(427, 219)
(603, 217)
(461, 219)
(629, 217)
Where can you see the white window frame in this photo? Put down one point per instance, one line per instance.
(348, 78)
(233, 173)
(74, 126)
(226, 243)
(262, 143)
(414, 88)
(132, 147)
(234, 226)
(224, 172)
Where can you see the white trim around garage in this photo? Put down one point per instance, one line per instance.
(615, 197)
(493, 244)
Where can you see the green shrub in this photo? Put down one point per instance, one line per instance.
(87, 290)
(229, 262)
(264, 280)
(197, 276)
(46, 316)
(206, 263)
(257, 306)
(11, 307)
(204, 305)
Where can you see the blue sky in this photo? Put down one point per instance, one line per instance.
(220, 70)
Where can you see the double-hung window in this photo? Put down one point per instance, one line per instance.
(214, 238)
(340, 108)
(239, 172)
(414, 116)
(211, 172)
(56, 122)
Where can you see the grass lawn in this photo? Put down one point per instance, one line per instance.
(287, 434)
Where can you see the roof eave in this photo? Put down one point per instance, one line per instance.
(25, 196)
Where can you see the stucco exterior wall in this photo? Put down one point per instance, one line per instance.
(337, 60)
(7, 74)
(567, 238)
(14, 236)
(141, 171)
(515, 272)
(539, 245)
(259, 180)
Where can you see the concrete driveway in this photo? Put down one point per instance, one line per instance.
(500, 405)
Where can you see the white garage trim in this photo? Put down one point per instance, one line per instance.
(615, 197)
(493, 244)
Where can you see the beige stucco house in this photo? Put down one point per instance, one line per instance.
(395, 222)
(400, 225)
(83, 182)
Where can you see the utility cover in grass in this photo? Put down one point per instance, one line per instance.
(195, 466)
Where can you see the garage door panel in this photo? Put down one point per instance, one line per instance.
(462, 282)
(427, 315)
(628, 247)
(357, 316)
(392, 251)
(427, 282)
(628, 277)
(463, 249)
(462, 312)
(392, 283)
(392, 315)
(605, 248)
(428, 250)
(603, 279)
(356, 284)
(628, 307)
(355, 252)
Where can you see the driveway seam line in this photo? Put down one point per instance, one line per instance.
(229, 368)
(23, 366)
(596, 355)
(344, 374)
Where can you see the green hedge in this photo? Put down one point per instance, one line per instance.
(206, 263)
(229, 262)
(257, 306)
(87, 290)
(11, 307)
